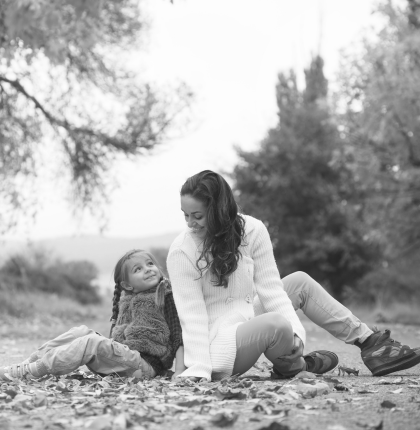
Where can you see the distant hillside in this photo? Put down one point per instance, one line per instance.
(102, 251)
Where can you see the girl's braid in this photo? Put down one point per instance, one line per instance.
(115, 306)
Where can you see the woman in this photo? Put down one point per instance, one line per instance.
(233, 306)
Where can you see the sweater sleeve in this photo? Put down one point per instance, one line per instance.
(268, 283)
(189, 301)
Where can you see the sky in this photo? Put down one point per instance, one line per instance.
(229, 53)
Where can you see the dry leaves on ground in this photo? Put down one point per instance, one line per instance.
(85, 400)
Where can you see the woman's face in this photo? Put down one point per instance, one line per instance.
(195, 214)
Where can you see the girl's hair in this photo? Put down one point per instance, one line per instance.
(121, 275)
(225, 226)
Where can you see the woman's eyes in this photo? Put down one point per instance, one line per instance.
(194, 216)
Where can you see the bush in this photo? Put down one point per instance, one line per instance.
(37, 272)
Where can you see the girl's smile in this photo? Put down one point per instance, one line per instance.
(142, 274)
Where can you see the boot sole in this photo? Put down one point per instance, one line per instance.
(400, 364)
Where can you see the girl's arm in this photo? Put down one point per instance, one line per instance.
(192, 312)
(268, 282)
(179, 362)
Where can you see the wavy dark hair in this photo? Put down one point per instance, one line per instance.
(225, 226)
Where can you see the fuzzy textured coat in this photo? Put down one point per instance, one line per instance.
(142, 326)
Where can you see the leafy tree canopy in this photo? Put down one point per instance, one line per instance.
(65, 78)
(381, 90)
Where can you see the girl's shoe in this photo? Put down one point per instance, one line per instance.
(19, 371)
(383, 355)
(145, 370)
(320, 361)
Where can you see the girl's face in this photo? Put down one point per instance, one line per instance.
(195, 214)
(142, 274)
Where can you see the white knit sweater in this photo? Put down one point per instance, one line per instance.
(210, 315)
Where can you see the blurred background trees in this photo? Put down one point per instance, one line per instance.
(338, 184)
(336, 180)
(69, 99)
(294, 183)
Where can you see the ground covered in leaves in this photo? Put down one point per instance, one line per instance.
(253, 401)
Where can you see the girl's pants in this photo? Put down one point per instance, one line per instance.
(273, 335)
(81, 345)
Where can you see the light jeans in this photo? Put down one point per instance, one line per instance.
(83, 346)
(272, 335)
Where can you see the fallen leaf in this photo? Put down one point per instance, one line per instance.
(396, 391)
(40, 400)
(388, 404)
(230, 393)
(193, 402)
(275, 426)
(224, 419)
(366, 391)
(371, 426)
(120, 422)
(305, 375)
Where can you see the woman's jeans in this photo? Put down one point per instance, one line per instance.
(272, 335)
(83, 346)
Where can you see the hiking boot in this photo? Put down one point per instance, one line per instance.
(316, 362)
(320, 361)
(383, 355)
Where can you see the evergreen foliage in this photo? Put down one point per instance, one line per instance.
(294, 183)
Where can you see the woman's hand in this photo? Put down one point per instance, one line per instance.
(297, 350)
(176, 374)
(187, 378)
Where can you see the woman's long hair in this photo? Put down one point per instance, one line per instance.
(225, 226)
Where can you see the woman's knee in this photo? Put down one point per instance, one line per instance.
(303, 281)
(301, 277)
(273, 321)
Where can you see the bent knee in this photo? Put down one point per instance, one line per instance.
(275, 321)
(301, 277)
(81, 331)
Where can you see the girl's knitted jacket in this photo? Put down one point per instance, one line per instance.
(210, 315)
(143, 327)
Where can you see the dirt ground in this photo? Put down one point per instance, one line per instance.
(255, 402)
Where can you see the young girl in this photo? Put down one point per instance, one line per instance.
(145, 334)
(233, 305)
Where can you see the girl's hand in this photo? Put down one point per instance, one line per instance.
(297, 350)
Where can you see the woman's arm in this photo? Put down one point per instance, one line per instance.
(192, 312)
(268, 282)
(179, 362)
